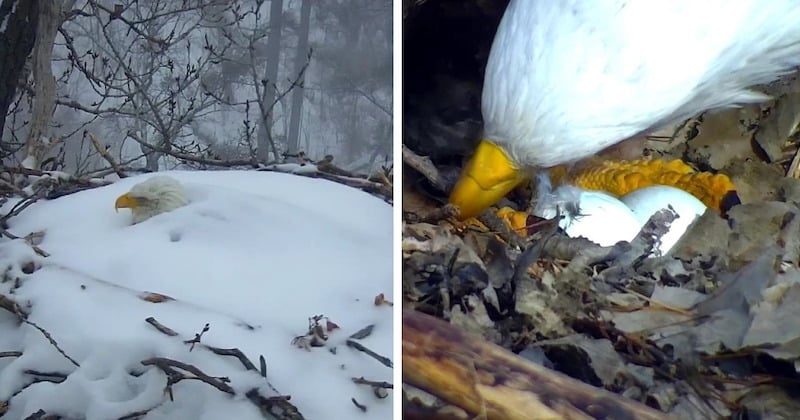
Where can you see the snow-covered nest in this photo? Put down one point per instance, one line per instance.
(254, 255)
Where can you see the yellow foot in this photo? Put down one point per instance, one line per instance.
(621, 177)
(518, 221)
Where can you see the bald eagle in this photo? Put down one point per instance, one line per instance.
(156, 195)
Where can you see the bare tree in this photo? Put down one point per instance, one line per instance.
(39, 141)
(252, 65)
(269, 82)
(145, 66)
(357, 75)
(199, 83)
(293, 139)
(16, 43)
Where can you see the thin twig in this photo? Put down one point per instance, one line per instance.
(235, 353)
(278, 406)
(197, 337)
(378, 384)
(425, 167)
(39, 414)
(166, 365)
(160, 327)
(55, 377)
(192, 158)
(103, 152)
(11, 306)
(51, 340)
(358, 346)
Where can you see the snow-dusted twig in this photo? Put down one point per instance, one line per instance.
(360, 347)
(274, 407)
(216, 350)
(62, 176)
(39, 414)
(51, 340)
(45, 184)
(375, 188)
(11, 306)
(235, 353)
(253, 163)
(134, 415)
(197, 337)
(277, 407)
(377, 384)
(160, 327)
(54, 377)
(358, 405)
(169, 367)
(18, 208)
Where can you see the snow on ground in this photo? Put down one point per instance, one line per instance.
(254, 255)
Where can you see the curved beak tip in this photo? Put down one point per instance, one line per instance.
(125, 201)
(488, 177)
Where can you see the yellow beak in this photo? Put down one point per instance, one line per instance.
(125, 201)
(488, 177)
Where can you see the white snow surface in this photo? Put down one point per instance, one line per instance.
(254, 255)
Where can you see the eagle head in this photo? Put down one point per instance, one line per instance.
(154, 196)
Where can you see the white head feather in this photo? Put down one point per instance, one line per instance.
(156, 195)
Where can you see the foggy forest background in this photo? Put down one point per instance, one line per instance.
(97, 87)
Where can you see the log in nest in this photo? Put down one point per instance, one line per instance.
(490, 382)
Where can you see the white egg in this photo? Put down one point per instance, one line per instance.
(594, 215)
(647, 201)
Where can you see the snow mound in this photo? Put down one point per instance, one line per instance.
(254, 255)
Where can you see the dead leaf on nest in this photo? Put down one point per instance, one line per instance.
(35, 238)
(755, 180)
(714, 139)
(756, 227)
(533, 299)
(773, 327)
(153, 297)
(435, 239)
(595, 361)
(771, 399)
(779, 121)
(330, 325)
(381, 300)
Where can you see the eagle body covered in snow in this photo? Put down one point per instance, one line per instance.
(207, 253)
(156, 195)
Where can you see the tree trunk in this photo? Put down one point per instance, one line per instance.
(38, 142)
(271, 78)
(16, 43)
(301, 55)
(151, 159)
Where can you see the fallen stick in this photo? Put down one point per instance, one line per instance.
(490, 382)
